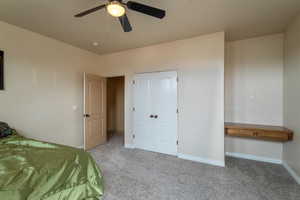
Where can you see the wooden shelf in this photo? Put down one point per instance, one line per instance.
(259, 132)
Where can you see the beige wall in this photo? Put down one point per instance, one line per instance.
(43, 96)
(291, 150)
(254, 90)
(115, 105)
(200, 65)
(43, 79)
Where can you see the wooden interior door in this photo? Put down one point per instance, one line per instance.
(94, 111)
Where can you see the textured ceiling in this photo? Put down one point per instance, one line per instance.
(185, 18)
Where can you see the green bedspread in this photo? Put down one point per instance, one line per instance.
(34, 170)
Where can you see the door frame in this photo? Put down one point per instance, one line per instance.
(133, 106)
(124, 104)
(84, 109)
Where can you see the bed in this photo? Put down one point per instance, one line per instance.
(34, 170)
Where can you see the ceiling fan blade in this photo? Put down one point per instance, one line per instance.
(148, 10)
(125, 23)
(90, 11)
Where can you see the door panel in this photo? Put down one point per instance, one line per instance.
(95, 111)
(165, 107)
(143, 108)
(156, 94)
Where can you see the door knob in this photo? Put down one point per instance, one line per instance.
(151, 116)
(86, 115)
(155, 116)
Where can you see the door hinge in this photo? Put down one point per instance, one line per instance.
(133, 109)
(133, 82)
(177, 143)
(177, 110)
(177, 79)
(133, 136)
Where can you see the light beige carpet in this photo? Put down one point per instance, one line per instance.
(140, 175)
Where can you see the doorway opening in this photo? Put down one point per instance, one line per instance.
(115, 108)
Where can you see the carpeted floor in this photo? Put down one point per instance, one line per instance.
(140, 175)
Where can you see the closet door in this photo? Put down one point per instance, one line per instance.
(164, 102)
(143, 122)
(155, 116)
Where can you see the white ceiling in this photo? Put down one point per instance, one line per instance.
(185, 18)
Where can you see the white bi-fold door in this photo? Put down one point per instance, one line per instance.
(155, 112)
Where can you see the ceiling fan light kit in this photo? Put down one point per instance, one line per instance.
(116, 8)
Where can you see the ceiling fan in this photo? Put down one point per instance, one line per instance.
(116, 8)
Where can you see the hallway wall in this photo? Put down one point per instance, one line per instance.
(115, 105)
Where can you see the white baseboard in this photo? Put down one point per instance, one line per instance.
(129, 146)
(292, 172)
(201, 160)
(80, 147)
(253, 157)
